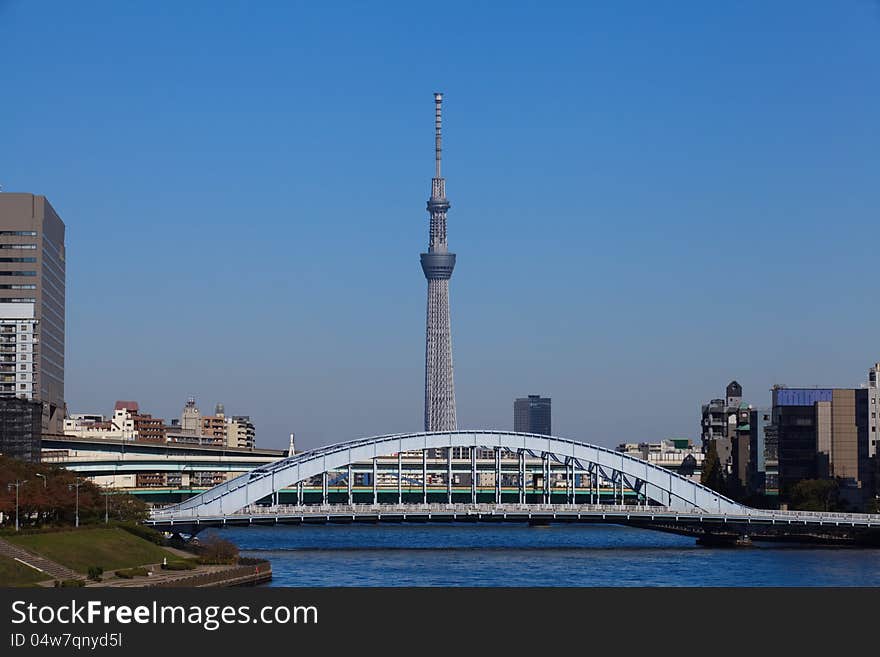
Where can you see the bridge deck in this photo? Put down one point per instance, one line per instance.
(627, 514)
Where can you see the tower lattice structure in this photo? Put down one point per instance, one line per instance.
(438, 264)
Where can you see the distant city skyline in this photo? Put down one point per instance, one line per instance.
(648, 204)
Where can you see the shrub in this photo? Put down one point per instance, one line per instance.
(217, 550)
(72, 583)
(95, 573)
(178, 565)
(142, 531)
(128, 573)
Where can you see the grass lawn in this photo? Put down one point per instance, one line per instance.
(109, 548)
(13, 573)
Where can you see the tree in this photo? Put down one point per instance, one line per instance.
(815, 495)
(128, 508)
(214, 549)
(712, 475)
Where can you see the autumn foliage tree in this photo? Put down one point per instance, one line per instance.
(50, 498)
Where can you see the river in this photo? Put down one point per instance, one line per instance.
(519, 555)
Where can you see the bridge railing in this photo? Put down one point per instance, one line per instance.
(361, 509)
(825, 515)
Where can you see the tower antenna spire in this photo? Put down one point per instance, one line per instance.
(438, 121)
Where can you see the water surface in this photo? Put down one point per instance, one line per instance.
(519, 555)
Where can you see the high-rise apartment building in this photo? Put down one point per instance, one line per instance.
(240, 432)
(32, 291)
(19, 355)
(214, 426)
(532, 415)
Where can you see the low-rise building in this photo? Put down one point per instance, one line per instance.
(91, 425)
(677, 454)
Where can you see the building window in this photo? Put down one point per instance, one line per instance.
(18, 259)
(19, 233)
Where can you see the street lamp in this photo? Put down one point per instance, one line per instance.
(106, 503)
(17, 485)
(43, 477)
(71, 487)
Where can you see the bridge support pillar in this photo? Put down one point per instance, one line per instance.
(324, 488)
(399, 478)
(375, 481)
(350, 486)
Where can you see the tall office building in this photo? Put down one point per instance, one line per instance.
(437, 264)
(32, 295)
(873, 409)
(532, 415)
(763, 477)
(822, 432)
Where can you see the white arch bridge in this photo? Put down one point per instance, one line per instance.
(664, 500)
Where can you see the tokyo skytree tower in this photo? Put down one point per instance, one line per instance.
(437, 264)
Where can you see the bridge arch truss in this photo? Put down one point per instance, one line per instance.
(651, 482)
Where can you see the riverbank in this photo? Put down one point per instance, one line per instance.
(116, 557)
(247, 572)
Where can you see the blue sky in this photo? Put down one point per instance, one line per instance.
(648, 200)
